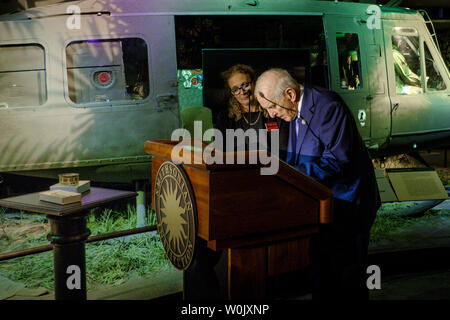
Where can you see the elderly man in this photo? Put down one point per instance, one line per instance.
(325, 144)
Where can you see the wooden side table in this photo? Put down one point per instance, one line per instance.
(68, 233)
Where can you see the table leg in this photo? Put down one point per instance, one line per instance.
(68, 235)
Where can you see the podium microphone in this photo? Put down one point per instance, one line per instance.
(249, 92)
(286, 108)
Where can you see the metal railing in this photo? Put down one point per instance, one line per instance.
(430, 27)
(101, 237)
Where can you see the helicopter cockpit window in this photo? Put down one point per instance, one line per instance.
(349, 61)
(107, 70)
(434, 78)
(406, 58)
(22, 76)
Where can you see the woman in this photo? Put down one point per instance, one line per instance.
(239, 83)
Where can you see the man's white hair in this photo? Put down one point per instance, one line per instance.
(283, 80)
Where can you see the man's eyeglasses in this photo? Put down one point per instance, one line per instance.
(243, 87)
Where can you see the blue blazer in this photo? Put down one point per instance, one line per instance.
(329, 149)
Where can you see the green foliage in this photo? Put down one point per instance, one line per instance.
(33, 270)
(388, 220)
(22, 232)
(111, 262)
(107, 262)
(108, 220)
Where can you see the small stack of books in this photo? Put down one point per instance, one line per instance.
(60, 196)
(81, 187)
(68, 190)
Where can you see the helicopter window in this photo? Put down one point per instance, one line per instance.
(349, 60)
(406, 31)
(107, 70)
(241, 32)
(194, 33)
(434, 79)
(22, 76)
(406, 58)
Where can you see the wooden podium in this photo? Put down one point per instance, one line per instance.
(260, 223)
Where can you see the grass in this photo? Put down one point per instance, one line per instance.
(389, 221)
(24, 231)
(108, 262)
(113, 261)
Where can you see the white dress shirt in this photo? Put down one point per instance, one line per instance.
(299, 108)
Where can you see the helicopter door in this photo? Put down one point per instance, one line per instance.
(378, 98)
(348, 67)
(417, 89)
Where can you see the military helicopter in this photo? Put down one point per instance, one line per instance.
(84, 84)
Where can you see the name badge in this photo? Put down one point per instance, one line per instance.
(272, 126)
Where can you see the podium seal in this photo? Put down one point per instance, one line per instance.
(176, 214)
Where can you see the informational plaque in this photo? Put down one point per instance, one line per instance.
(416, 184)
